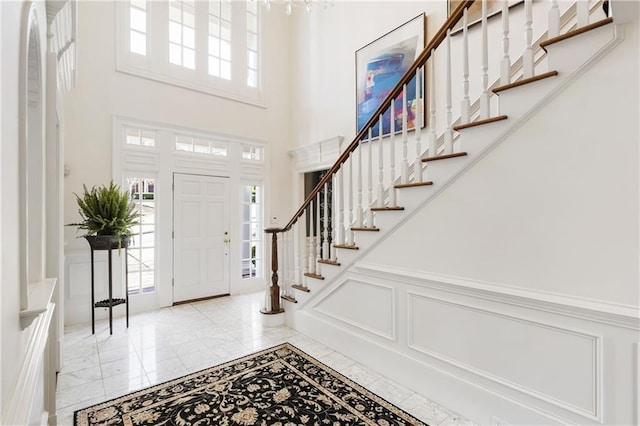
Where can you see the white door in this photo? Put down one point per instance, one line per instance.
(200, 244)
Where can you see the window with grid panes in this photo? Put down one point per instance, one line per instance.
(182, 33)
(200, 146)
(252, 43)
(219, 55)
(211, 46)
(142, 248)
(251, 223)
(138, 27)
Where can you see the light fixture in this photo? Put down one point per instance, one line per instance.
(290, 4)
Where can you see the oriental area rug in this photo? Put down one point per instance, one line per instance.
(280, 386)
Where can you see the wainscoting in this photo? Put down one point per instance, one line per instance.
(495, 354)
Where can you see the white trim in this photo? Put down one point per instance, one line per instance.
(17, 411)
(392, 337)
(163, 160)
(40, 298)
(316, 156)
(617, 315)
(379, 357)
(594, 414)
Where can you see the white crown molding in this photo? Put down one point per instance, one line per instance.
(318, 155)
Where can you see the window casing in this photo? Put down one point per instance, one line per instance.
(213, 46)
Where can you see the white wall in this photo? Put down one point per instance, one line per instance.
(102, 92)
(323, 99)
(18, 355)
(555, 208)
(512, 296)
(13, 339)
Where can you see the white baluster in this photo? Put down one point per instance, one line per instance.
(282, 264)
(484, 97)
(287, 265)
(311, 240)
(433, 138)
(334, 216)
(392, 156)
(359, 209)
(583, 13)
(325, 243)
(380, 165)
(417, 166)
(304, 245)
(349, 232)
(505, 65)
(296, 237)
(292, 261)
(340, 189)
(466, 103)
(318, 234)
(554, 19)
(370, 177)
(404, 170)
(448, 134)
(527, 58)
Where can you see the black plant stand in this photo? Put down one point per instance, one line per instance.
(108, 242)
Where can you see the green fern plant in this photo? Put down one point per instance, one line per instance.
(106, 210)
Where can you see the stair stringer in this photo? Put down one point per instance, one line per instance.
(477, 142)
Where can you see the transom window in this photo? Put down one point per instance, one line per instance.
(142, 249)
(200, 146)
(253, 153)
(146, 138)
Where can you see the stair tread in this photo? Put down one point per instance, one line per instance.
(363, 228)
(289, 298)
(329, 262)
(316, 276)
(412, 185)
(301, 288)
(525, 81)
(347, 246)
(479, 122)
(575, 32)
(386, 209)
(444, 156)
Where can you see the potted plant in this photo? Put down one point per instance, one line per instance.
(107, 215)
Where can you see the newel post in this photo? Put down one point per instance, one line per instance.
(274, 289)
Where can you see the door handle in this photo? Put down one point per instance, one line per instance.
(227, 240)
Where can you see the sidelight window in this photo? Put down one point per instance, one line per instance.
(142, 249)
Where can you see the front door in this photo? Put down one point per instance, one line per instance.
(200, 242)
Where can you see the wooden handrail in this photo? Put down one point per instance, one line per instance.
(437, 39)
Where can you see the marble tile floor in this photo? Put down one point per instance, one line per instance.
(172, 342)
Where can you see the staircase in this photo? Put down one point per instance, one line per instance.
(322, 259)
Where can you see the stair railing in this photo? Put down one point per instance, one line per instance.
(343, 202)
